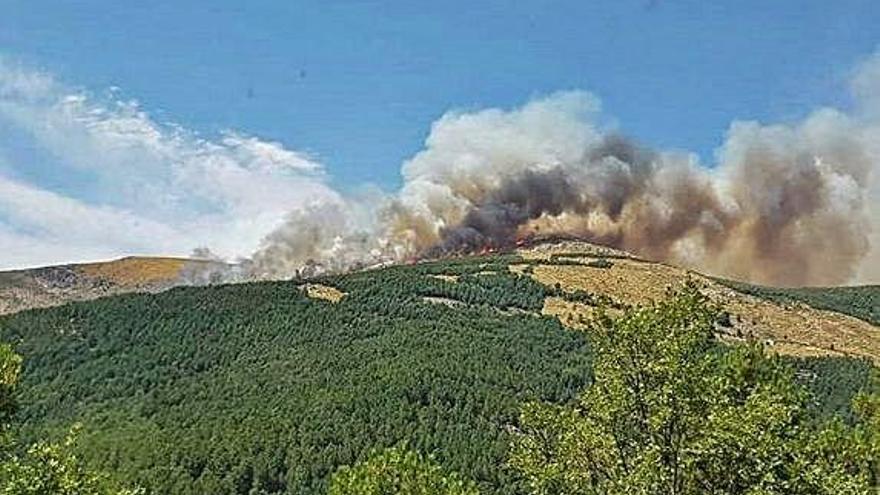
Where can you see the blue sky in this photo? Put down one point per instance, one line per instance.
(358, 83)
(175, 124)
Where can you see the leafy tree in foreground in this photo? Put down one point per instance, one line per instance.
(43, 468)
(672, 412)
(10, 368)
(398, 471)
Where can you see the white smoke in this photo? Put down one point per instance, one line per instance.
(792, 203)
(866, 89)
(789, 204)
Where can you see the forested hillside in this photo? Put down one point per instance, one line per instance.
(269, 388)
(226, 389)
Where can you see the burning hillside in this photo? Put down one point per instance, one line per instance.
(785, 204)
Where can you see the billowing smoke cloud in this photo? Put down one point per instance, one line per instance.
(494, 222)
(786, 204)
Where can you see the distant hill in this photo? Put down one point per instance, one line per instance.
(53, 285)
(268, 387)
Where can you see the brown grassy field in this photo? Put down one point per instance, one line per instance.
(325, 292)
(136, 270)
(787, 328)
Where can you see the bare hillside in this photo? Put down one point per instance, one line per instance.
(54, 285)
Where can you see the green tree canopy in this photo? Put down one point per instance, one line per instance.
(44, 468)
(671, 411)
(398, 471)
(10, 368)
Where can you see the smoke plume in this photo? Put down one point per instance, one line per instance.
(785, 204)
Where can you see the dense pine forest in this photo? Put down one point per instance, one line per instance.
(259, 388)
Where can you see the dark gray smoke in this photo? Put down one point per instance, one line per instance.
(792, 204)
(613, 178)
(494, 224)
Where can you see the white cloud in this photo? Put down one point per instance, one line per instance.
(39, 223)
(144, 186)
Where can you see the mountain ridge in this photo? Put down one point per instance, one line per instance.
(269, 387)
(784, 319)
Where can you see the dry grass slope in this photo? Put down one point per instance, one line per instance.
(786, 328)
(136, 270)
(325, 292)
(51, 286)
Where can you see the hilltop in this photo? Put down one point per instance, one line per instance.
(836, 321)
(268, 387)
(54, 285)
